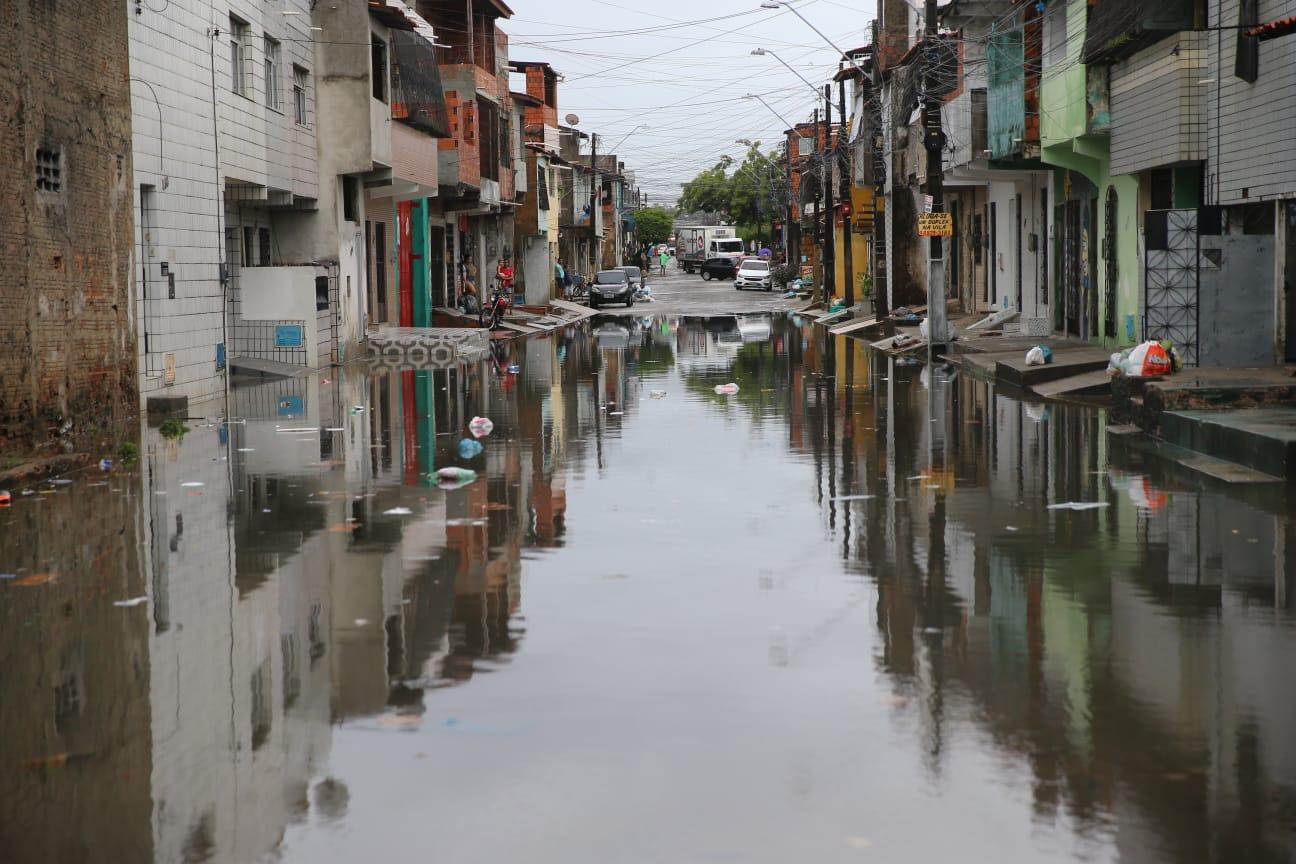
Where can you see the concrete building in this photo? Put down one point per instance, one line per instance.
(67, 365)
(225, 149)
(476, 161)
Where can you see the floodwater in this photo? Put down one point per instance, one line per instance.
(830, 618)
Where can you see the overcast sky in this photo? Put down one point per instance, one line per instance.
(686, 82)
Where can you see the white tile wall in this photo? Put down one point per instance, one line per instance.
(1252, 126)
(179, 62)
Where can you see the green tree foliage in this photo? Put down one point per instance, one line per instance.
(750, 196)
(653, 225)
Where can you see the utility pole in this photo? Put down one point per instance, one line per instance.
(825, 164)
(818, 200)
(934, 144)
(848, 234)
(594, 195)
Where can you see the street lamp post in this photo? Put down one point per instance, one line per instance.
(761, 52)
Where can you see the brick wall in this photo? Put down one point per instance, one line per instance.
(67, 351)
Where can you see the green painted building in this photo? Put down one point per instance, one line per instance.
(1094, 255)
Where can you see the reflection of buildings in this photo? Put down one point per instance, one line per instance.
(74, 715)
(1127, 655)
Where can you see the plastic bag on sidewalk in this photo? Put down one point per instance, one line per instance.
(1039, 355)
(1147, 361)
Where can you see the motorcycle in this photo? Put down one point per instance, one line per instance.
(491, 313)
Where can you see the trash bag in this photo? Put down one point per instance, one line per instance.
(837, 305)
(1147, 361)
(469, 448)
(924, 328)
(726, 389)
(480, 427)
(1035, 357)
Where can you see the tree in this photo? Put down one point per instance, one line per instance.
(653, 225)
(748, 197)
(709, 191)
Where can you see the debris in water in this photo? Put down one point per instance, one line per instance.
(1079, 505)
(5, 498)
(455, 476)
(726, 389)
(34, 579)
(480, 427)
(854, 498)
(398, 511)
(469, 449)
(134, 601)
(657, 394)
(615, 413)
(192, 484)
(105, 464)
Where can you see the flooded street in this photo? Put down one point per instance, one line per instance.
(836, 616)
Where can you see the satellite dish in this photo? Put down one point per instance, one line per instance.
(572, 120)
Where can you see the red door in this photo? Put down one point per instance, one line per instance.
(405, 261)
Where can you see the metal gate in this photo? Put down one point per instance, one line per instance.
(1171, 301)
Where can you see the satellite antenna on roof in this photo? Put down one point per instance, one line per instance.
(572, 120)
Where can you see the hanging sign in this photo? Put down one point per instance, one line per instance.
(935, 225)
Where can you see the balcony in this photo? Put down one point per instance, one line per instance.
(1117, 29)
(1158, 106)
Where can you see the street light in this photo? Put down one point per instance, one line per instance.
(783, 4)
(761, 52)
(627, 135)
(790, 125)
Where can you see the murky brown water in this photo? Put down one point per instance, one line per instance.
(830, 618)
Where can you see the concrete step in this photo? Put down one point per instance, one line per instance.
(1263, 439)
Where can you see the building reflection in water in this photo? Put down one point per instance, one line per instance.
(303, 571)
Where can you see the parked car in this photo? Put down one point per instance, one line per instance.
(611, 286)
(753, 273)
(634, 274)
(719, 268)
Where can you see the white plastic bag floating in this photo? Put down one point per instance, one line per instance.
(1035, 357)
(726, 389)
(480, 427)
(455, 476)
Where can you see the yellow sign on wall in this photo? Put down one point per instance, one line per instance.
(935, 225)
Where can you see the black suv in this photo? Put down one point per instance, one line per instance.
(719, 268)
(611, 286)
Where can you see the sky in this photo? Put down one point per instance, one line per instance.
(687, 77)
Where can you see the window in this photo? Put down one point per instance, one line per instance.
(1055, 24)
(1247, 63)
(322, 301)
(488, 148)
(273, 73)
(240, 36)
(263, 247)
(300, 79)
(49, 169)
(351, 199)
(378, 69)
(249, 242)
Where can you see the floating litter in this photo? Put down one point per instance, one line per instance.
(480, 427)
(192, 484)
(1079, 505)
(134, 601)
(398, 511)
(726, 389)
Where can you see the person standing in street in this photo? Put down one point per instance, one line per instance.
(663, 257)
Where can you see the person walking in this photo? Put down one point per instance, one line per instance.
(663, 257)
